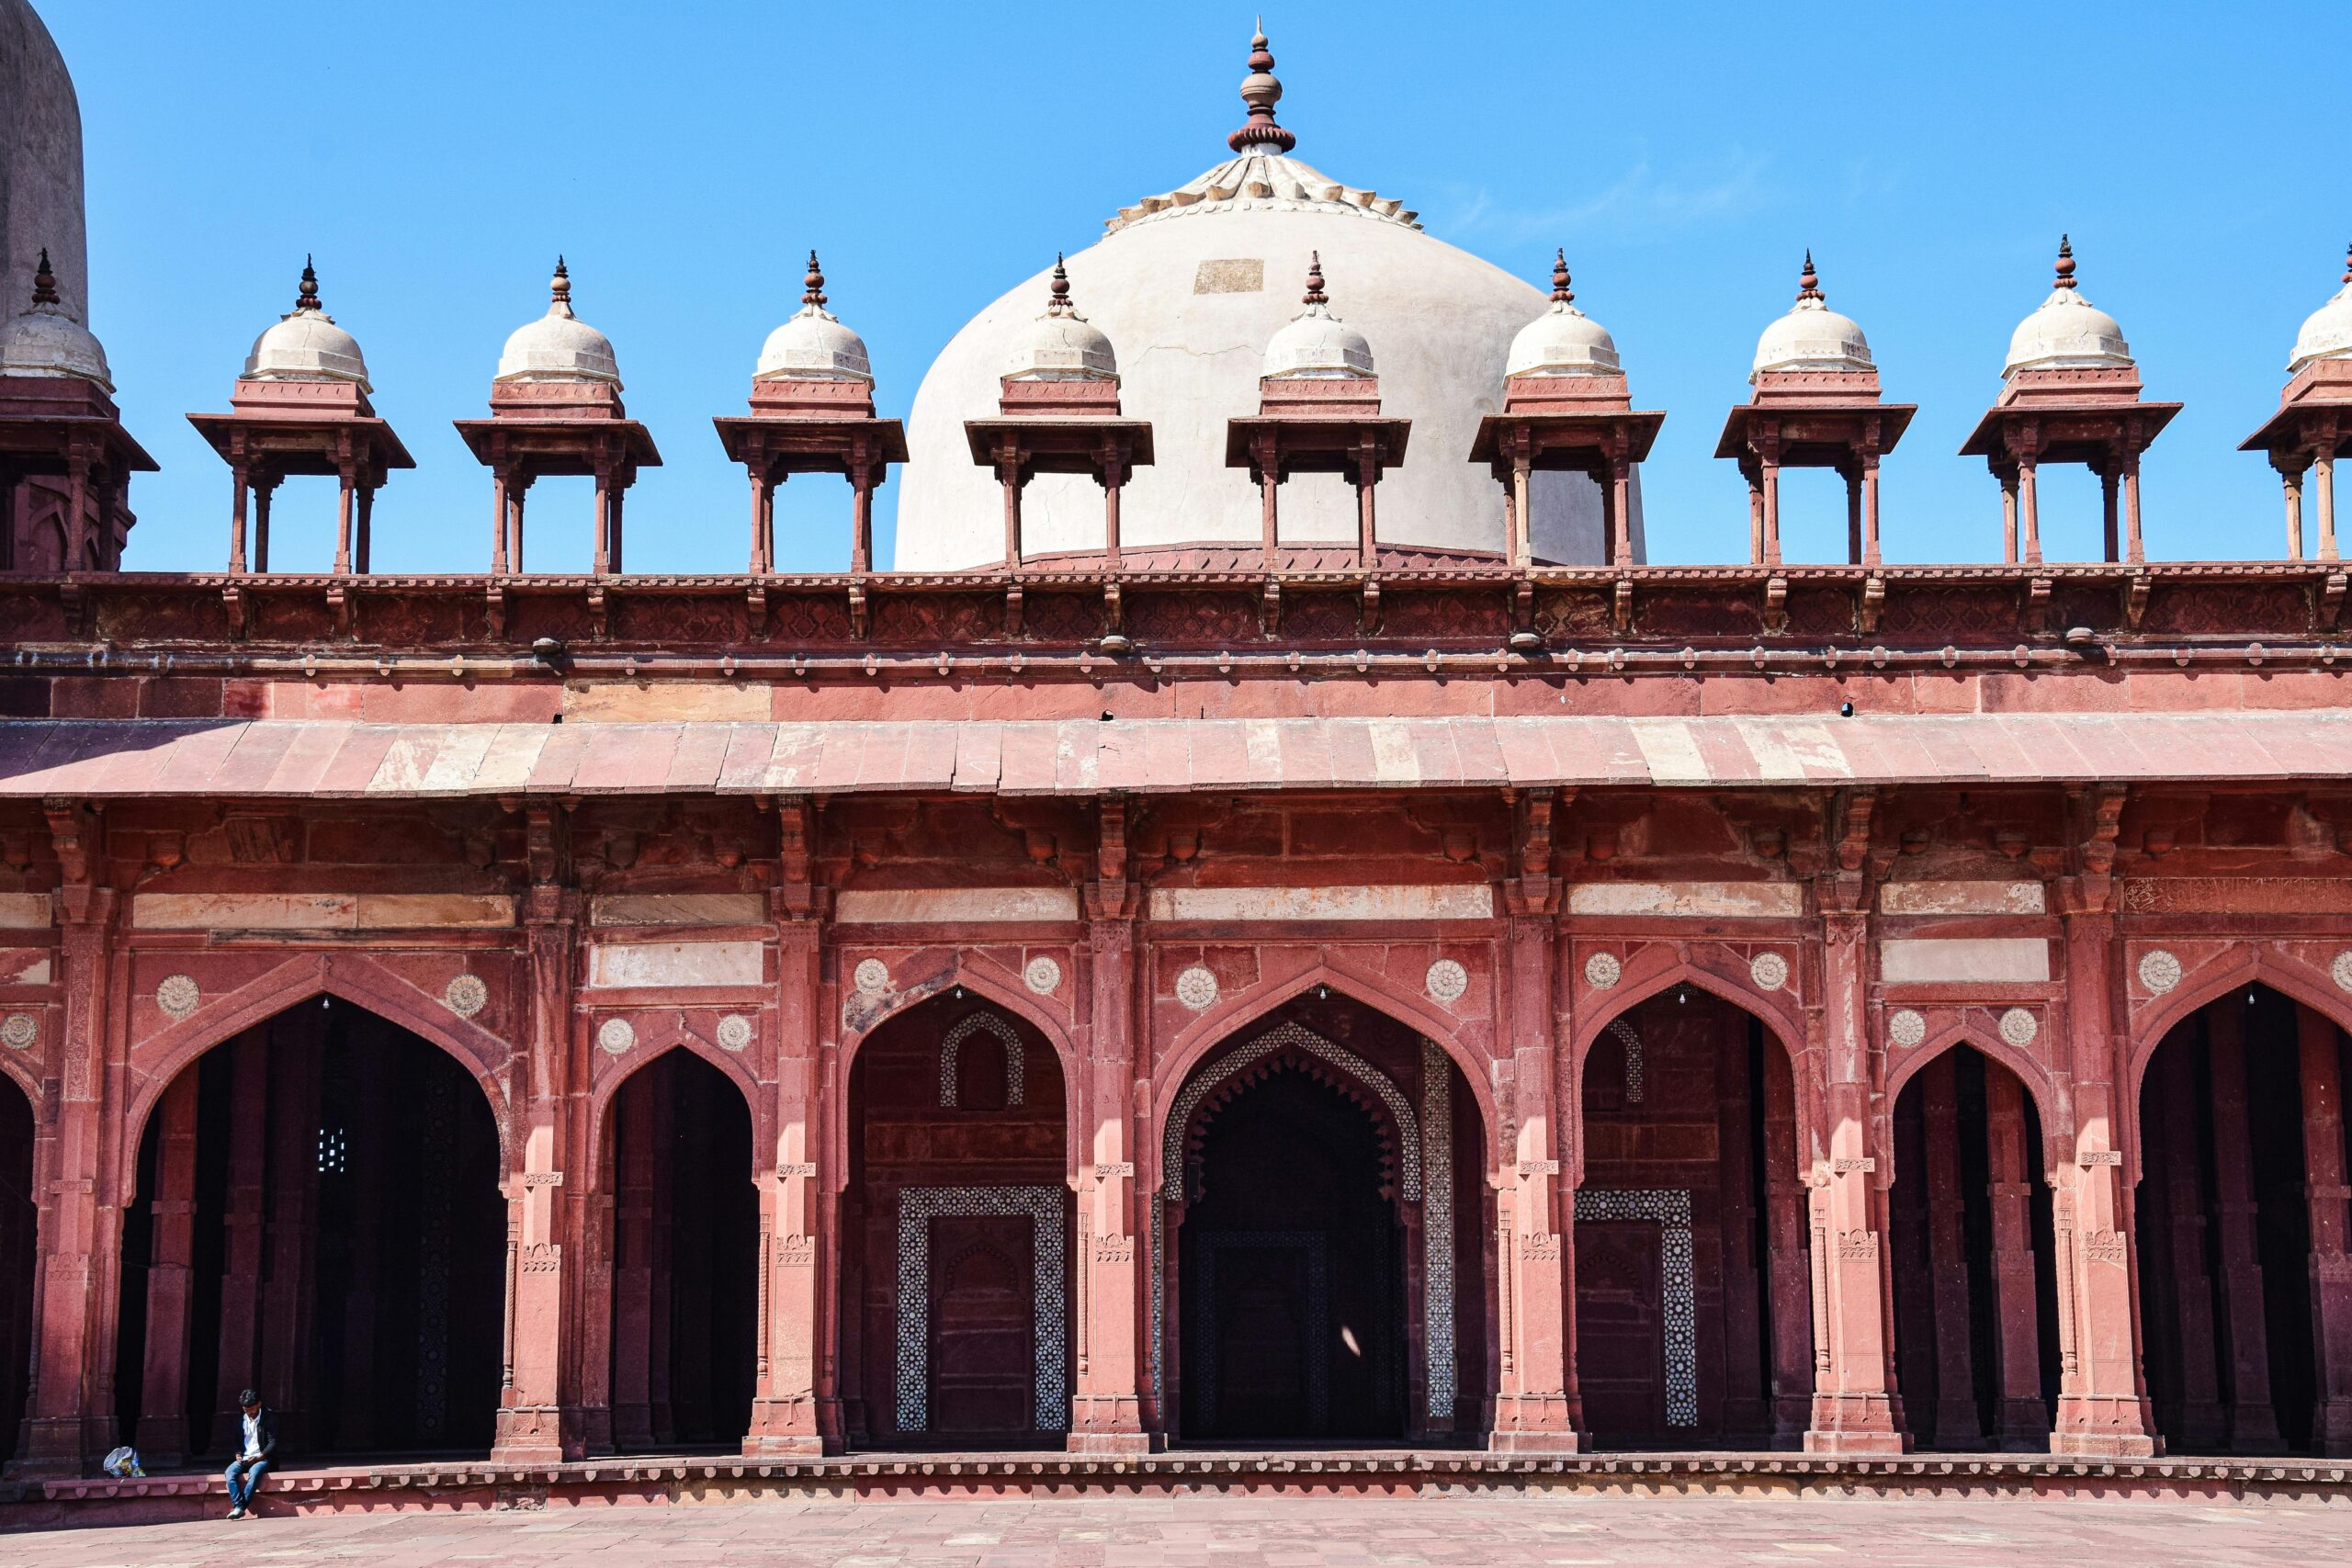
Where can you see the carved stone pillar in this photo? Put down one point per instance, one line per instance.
(241, 1241)
(297, 1041)
(2020, 1420)
(1958, 1424)
(2331, 1254)
(162, 1437)
(69, 1409)
(2102, 1401)
(631, 1304)
(1746, 1418)
(1855, 1408)
(1786, 1196)
(785, 1414)
(532, 1428)
(1106, 1409)
(2253, 1423)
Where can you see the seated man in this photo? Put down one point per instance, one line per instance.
(258, 1433)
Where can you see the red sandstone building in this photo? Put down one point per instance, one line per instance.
(1304, 981)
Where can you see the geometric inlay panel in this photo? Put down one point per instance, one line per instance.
(1016, 1059)
(1670, 1207)
(917, 1207)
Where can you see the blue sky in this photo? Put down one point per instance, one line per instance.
(437, 156)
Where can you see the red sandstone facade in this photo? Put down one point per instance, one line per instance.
(808, 1013)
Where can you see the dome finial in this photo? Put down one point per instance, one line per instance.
(2347, 263)
(1057, 300)
(1809, 281)
(44, 282)
(1561, 293)
(2065, 278)
(1314, 295)
(814, 284)
(1261, 91)
(559, 289)
(307, 299)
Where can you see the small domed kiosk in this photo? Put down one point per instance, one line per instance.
(555, 408)
(65, 459)
(2070, 393)
(2313, 424)
(1817, 406)
(301, 407)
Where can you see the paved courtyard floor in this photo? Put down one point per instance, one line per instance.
(1527, 1529)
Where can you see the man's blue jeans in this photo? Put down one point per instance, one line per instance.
(243, 1477)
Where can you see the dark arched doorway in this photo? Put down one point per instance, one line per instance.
(1321, 1243)
(955, 1282)
(1975, 1289)
(2242, 1140)
(686, 1253)
(1693, 1283)
(318, 1218)
(19, 1219)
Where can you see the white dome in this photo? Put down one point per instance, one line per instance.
(813, 347)
(559, 346)
(1811, 336)
(1191, 284)
(1061, 345)
(1316, 345)
(2067, 332)
(1563, 341)
(2327, 332)
(45, 341)
(306, 346)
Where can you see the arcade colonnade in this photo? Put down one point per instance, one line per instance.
(960, 1168)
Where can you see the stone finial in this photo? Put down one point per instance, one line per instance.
(559, 289)
(1314, 295)
(2347, 263)
(44, 282)
(307, 299)
(1809, 281)
(1561, 293)
(2065, 278)
(813, 286)
(1261, 91)
(1058, 302)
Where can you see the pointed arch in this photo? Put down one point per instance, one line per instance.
(347, 977)
(1227, 1017)
(1270, 1042)
(652, 1049)
(950, 1047)
(2051, 1107)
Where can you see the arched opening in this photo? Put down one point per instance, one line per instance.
(318, 1218)
(2240, 1216)
(1975, 1287)
(686, 1229)
(955, 1282)
(1692, 1280)
(1319, 1245)
(19, 1218)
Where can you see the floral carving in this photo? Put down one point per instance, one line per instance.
(1603, 970)
(1044, 975)
(178, 995)
(1768, 970)
(19, 1031)
(2159, 971)
(1447, 980)
(1906, 1028)
(871, 976)
(734, 1032)
(617, 1035)
(2020, 1027)
(465, 995)
(1196, 988)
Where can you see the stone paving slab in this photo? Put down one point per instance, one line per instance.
(1211, 1531)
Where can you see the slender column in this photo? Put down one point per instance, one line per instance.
(1522, 521)
(1106, 1412)
(1114, 480)
(345, 484)
(2254, 1427)
(1620, 507)
(618, 508)
(531, 1426)
(2134, 550)
(1870, 509)
(1784, 1232)
(1537, 1409)
(1855, 1407)
(860, 540)
(2292, 480)
(517, 489)
(1853, 477)
(2010, 518)
(289, 1283)
(498, 522)
(1267, 458)
(2110, 476)
(77, 510)
(763, 545)
(265, 490)
(2102, 1402)
(1771, 555)
(603, 563)
(1756, 518)
(2318, 1042)
(785, 1415)
(1745, 1415)
(1367, 479)
(1958, 1422)
(69, 1409)
(2203, 1423)
(364, 544)
(632, 1303)
(236, 519)
(1008, 467)
(2324, 494)
(2020, 1419)
(2029, 512)
(161, 1433)
(243, 1239)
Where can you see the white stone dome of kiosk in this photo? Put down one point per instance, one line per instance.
(2327, 332)
(2066, 331)
(305, 345)
(559, 346)
(1192, 286)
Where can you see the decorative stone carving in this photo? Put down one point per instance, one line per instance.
(1438, 1350)
(1625, 1034)
(734, 1032)
(19, 1031)
(1768, 970)
(1906, 1028)
(1603, 970)
(179, 995)
(871, 976)
(1196, 988)
(1447, 980)
(1044, 975)
(2160, 972)
(617, 1035)
(2020, 1027)
(465, 995)
(1043, 1207)
(1670, 1208)
(951, 1048)
(2340, 971)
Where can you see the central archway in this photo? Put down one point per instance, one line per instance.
(1310, 1269)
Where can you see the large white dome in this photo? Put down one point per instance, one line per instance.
(1192, 286)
